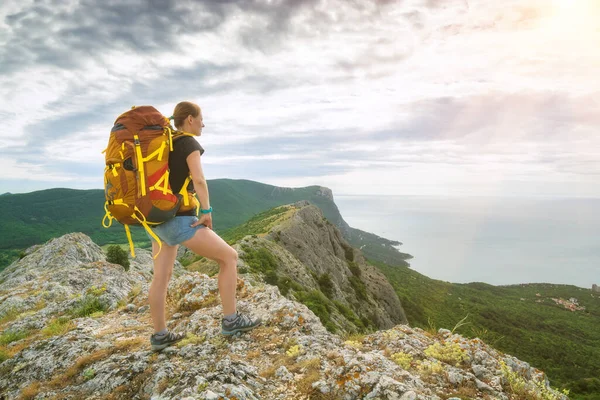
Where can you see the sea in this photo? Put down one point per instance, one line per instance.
(496, 240)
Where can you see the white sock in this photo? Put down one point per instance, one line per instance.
(230, 317)
(161, 333)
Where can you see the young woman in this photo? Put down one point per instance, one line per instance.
(195, 234)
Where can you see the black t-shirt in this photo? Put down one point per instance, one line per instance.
(179, 170)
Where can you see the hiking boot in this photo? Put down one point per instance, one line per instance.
(241, 323)
(167, 340)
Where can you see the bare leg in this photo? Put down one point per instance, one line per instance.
(157, 296)
(210, 245)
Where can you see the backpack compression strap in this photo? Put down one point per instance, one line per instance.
(108, 219)
(146, 227)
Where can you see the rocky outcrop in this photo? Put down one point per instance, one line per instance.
(74, 326)
(107, 354)
(56, 277)
(311, 250)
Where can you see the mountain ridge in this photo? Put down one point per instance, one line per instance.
(33, 218)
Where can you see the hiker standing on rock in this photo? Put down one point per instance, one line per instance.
(186, 229)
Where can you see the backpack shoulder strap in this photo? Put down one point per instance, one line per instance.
(179, 134)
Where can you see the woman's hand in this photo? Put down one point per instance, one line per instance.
(205, 219)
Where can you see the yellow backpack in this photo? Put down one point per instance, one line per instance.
(136, 177)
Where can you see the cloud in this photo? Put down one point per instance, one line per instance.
(66, 34)
(436, 94)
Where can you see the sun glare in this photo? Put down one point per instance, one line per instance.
(566, 3)
(572, 17)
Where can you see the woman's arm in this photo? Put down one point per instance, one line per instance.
(200, 185)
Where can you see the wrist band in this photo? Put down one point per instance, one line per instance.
(206, 211)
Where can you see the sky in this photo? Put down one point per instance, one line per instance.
(428, 97)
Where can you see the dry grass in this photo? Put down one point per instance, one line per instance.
(211, 300)
(134, 292)
(130, 345)
(466, 390)
(66, 378)
(30, 391)
(9, 316)
(41, 303)
(307, 366)
(311, 363)
(251, 355)
(18, 347)
(336, 358)
(63, 380)
(312, 373)
(163, 384)
(269, 372)
(58, 326)
(304, 385)
(354, 337)
(277, 361)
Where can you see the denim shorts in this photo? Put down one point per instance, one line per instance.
(176, 230)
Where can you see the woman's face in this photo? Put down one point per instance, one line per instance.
(196, 124)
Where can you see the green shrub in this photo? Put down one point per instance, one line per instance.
(349, 315)
(349, 251)
(87, 306)
(10, 315)
(326, 284)
(191, 338)
(260, 260)
(366, 322)
(12, 336)
(3, 356)
(402, 359)
(271, 278)
(97, 291)
(116, 255)
(320, 305)
(285, 283)
(89, 373)
(359, 287)
(354, 268)
(448, 352)
(586, 385)
(58, 326)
